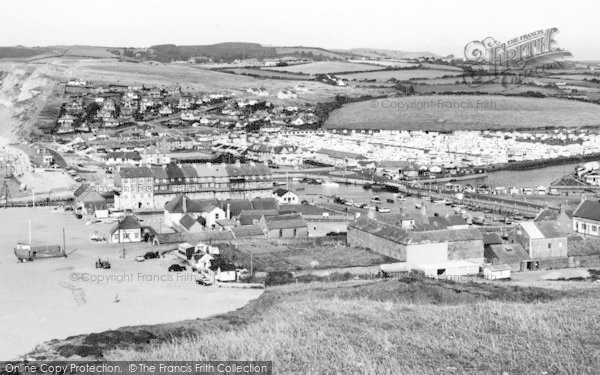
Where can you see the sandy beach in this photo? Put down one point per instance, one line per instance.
(60, 297)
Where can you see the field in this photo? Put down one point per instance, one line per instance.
(408, 326)
(401, 75)
(325, 67)
(268, 258)
(464, 112)
(267, 73)
(487, 88)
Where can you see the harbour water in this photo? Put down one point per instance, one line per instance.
(530, 178)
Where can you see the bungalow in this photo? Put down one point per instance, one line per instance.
(286, 95)
(88, 199)
(261, 91)
(586, 218)
(285, 196)
(127, 229)
(123, 157)
(66, 121)
(223, 272)
(287, 155)
(496, 272)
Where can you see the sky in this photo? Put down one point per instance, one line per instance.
(439, 26)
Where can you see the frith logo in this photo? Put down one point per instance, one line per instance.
(512, 63)
(538, 47)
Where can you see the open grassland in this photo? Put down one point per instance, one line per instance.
(325, 67)
(400, 75)
(464, 112)
(489, 87)
(21, 52)
(191, 77)
(403, 327)
(261, 73)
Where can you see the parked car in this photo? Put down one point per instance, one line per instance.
(151, 255)
(204, 280)
(140, 258)
(105, 264)
(176, 268)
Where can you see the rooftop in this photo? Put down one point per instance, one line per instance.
(588, 209)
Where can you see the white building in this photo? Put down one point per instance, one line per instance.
(586, 218)
(127, 229)
(284, 196)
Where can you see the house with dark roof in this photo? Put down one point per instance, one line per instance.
(563, 217)
(190, 224)
(205, 211)
(586, 218)
(542, 239)
(88, 199)
(285, 196)
(252, 217)
(512, 255)
(284, 226)
(128, 229)
(247, 232)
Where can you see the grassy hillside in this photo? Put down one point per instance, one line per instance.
(21, 52)
(400, 326)
(217, 52)
(464, 112)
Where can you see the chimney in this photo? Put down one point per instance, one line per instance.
(237, 162)
(423, 211)
(228, 211)
(184, 205)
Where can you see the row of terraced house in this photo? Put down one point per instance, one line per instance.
(149, 188)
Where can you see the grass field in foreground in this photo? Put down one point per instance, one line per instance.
(404, 327)
(464, 112)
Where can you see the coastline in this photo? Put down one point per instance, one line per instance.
(543, 163)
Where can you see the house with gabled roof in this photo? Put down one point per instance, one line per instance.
(88, 199)
(284, 226)
(542, 239)
(128, 229)
(205, 211)
(285, 196)
(417, 247)
(586, 218)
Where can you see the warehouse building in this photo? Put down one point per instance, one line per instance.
(418, 248)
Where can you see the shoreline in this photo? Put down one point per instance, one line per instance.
(541, 163)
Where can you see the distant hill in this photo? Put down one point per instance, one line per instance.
(314, 53)
(231, 51)
(20, 52)
(373, 53)
(216, 52)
